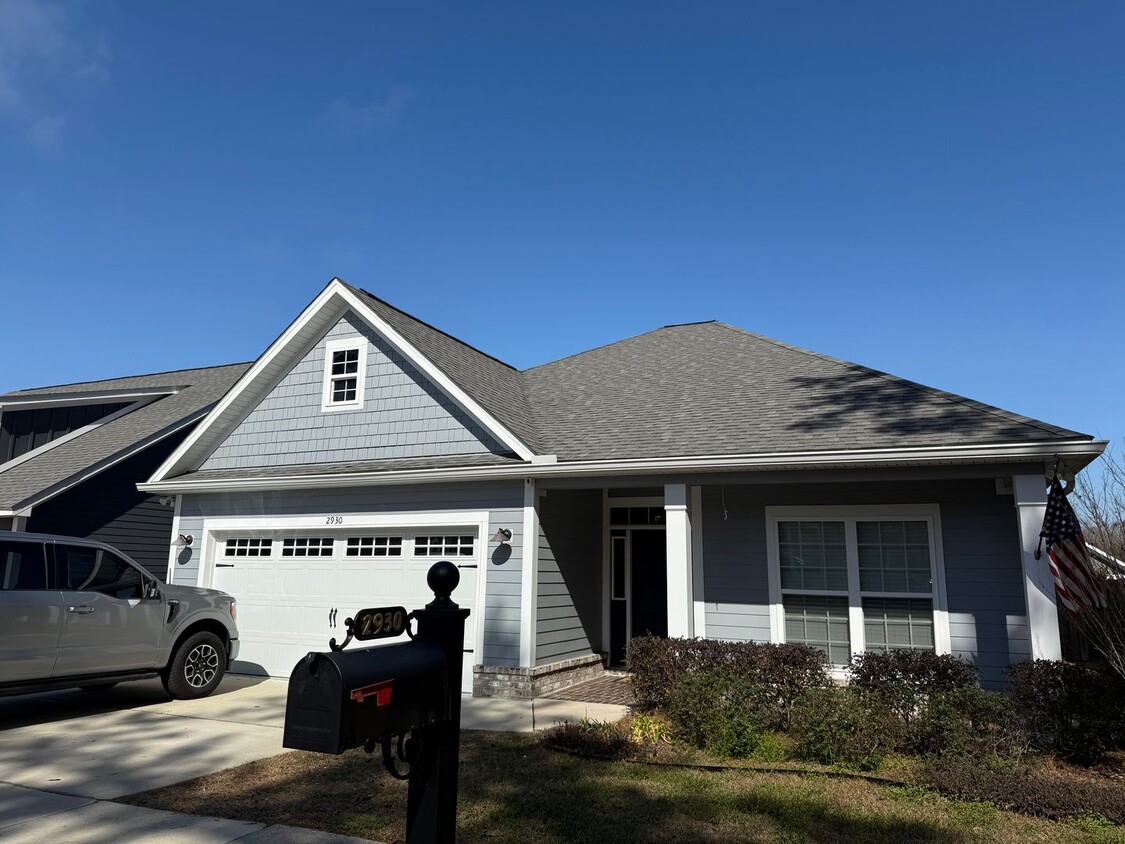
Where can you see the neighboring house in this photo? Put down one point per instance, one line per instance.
(72, 455)
(698, 480)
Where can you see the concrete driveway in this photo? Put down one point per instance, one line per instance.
(63, 754)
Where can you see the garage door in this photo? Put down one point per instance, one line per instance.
(295, 588)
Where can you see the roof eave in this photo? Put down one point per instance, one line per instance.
(1078, 453)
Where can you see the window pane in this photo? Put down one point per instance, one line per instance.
(618, 516)
(813, 555)
(95, 570)
(820, 622)
(619, 568)
(22, 566)
(894, 556)
(894, 623)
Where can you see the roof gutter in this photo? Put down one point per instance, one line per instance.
(883, 457)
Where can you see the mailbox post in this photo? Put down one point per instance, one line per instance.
(366, 696)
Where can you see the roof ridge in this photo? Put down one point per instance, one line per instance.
(408, 315)
(998, 412)
(599, 348)
(124, 377)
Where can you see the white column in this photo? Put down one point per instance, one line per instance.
(1038, 584)
(677, 523)
(529, 582)
(19, 520)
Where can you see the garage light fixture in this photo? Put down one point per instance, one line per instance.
(184, 539)
(503, 535)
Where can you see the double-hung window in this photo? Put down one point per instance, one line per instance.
(345, 369)
(849, 579)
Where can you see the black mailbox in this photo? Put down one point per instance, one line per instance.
(347, 699)
(412, 690)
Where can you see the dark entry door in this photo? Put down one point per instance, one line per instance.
(650, 583)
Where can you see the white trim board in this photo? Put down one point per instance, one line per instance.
(44, 401)
(332, 302)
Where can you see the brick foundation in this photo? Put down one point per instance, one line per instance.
(527, 683)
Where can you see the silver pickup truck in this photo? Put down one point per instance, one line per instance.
(74, 612)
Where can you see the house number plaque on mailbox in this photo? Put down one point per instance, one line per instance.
(380, 623)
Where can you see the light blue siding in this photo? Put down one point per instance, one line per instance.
(504, 503)
(984, 585)
(569, 600)
(404, 415)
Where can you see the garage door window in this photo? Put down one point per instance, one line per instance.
(374, 546)
(443, 546)
(307, 546)
(248, 547)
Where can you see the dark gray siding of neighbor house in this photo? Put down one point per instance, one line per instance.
(5, 523)
(108, 508)
(984, 578)
(503, 501)
(569, 603)
(24, 430)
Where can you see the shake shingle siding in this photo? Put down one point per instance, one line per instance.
(984, 586)
(404, 416)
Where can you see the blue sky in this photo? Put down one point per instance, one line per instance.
(936, 190)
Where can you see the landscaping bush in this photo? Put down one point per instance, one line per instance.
(1073, 711)
(966, 723)
(837, 726)
(903, 681)
(776, 675)
(1057, 797)
(649, 729)
(594, 739)
(719, 711)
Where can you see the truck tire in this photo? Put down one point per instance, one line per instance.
(197, 666)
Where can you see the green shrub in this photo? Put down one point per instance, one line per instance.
(903, 681)
(773, 747)
(719, 711)
(969, 723)
(837, 726)
(1056, 797)
(776, 675)
(594, 739)
(1073, 711)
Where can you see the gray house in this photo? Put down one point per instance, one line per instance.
(71, 455)
(697, 480)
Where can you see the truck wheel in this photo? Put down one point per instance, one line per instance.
(197, 666)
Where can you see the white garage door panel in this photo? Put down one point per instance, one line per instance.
(285, 603)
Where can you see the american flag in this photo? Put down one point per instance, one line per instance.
(1075, 581)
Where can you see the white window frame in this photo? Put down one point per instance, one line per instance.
(849, 515)
(342, 345)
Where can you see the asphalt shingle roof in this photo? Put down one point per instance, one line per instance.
(712, 389)
(197, 389)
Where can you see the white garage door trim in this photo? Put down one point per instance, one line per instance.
(344, 521)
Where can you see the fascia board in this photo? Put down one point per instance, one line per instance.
(49, 400)
(874, 458)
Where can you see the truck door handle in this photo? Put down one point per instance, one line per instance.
(82, 610)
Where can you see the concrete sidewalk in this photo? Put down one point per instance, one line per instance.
(63, 755)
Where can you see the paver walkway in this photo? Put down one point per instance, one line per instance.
(614, 689)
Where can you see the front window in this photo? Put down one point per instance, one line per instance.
(851, 579)
(345, 364)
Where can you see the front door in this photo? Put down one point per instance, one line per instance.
(638, 587)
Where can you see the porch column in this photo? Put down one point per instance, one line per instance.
(1038, 584)
(529, 574)
(677, 523)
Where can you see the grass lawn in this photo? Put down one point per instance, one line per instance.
(512, 789)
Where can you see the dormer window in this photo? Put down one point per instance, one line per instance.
(345, 367)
